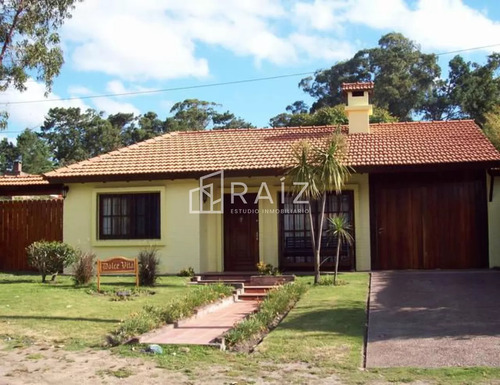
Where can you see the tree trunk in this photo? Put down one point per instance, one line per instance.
(313, 241)
(336, 263)
(319, 235)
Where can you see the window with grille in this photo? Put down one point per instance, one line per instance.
(296, 244)
(129, 216)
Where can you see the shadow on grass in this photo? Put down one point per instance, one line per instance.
(49, 318)
(11, 281)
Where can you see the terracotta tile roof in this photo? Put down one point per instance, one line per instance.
(360, 86)
(22, 180)
(420, 143)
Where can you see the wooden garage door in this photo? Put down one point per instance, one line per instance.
(429, 221)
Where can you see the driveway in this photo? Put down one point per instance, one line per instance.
(434, 319)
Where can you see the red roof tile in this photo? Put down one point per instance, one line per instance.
(22, 180)
(360, 86)
(419, 143)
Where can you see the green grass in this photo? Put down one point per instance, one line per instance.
(321, 337)
(75, 317)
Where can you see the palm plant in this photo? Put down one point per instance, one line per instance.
(319, 170)
(340, 229)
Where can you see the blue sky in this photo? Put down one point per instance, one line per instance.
(116, 46)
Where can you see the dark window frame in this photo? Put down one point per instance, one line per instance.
(125, 219)
(293, 256)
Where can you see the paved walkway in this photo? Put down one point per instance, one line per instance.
(203, 329)
(434, 319)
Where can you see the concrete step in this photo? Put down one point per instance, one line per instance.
(257, 289)
(252, 296)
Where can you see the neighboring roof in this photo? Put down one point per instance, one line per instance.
(360, 86)
(22, 180)
(197, 152)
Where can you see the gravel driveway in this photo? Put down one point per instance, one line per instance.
(434, 319)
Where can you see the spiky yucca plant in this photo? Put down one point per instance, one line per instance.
(321, 169)
(340, 229)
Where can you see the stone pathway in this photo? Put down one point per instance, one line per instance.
(203, 329)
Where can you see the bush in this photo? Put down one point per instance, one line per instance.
(152, 317)
(49, 258)
(148, 267)
(189, 272)
(267, 269)
(83, 268)
(278, 302)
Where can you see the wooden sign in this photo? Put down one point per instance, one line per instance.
(117, 265)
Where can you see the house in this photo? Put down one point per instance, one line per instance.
(419, 198)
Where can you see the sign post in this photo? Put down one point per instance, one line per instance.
(117, 265)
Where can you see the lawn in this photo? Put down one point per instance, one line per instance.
(320, 341)
(61, 312)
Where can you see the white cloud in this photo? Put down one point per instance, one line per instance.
(76, 90)
(111, 106)
(32, 115)
(438, 25)
(158, 40)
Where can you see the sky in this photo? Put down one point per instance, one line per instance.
(117, 46)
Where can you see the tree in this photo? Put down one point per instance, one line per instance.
(335, 115)
(8, 154)
(29, 42)
(73, 135)
(492, 126)
(34, 152)
(197, 115)
(134, 130)
(402, 75)
(319, 170)
(340, 229)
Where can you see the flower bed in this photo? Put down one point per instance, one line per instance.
(246, 334)
(152, 317)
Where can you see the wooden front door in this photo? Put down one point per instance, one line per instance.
(429, 221)
(241, 234)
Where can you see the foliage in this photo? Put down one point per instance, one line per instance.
(335, 115)
(50, 257)
(34, 153)
(30, 42)
(278, 302)
(188, 272)
(197, 115)
(320, 170)
(8, 154)
(83, 268)
(492, 126)
(402, 75)
(73, 135)
(340, 228)
(267, 269)
(148, 267)
(151, 317)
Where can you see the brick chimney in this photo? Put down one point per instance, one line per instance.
(358, 107)
(17, 168)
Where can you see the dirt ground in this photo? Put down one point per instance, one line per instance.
(45, 364)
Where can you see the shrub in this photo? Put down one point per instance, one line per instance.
(151, 317)
(267, 269)
(189, 272)
(49, 258)
(278, 302)
(83, 268)
(148, 267)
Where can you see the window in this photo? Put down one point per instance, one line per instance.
(296, 245)
(358, 94)
(129, 216)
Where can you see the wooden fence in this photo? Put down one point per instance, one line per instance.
(24, 222)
